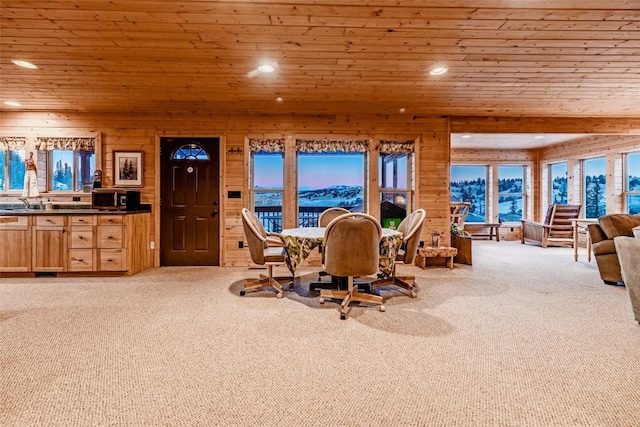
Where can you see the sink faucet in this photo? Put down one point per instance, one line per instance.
(25, 201)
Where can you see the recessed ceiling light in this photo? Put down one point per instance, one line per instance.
(278, 99)
(24, 64)
(465, 136)
(266, 68)
(12, 103)
(538, 137)
(402, 110)
(438, 71)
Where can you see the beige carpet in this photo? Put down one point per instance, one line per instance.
(524, 337)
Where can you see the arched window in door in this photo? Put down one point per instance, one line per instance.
(190, 152)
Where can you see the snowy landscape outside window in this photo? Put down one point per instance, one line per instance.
(558, 190)
(595, 187)
(510, 193)
(469, 184)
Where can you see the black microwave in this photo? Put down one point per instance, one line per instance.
(115, 199)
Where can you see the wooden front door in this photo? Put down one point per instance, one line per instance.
(189, 201)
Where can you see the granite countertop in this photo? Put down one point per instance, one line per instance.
(68, 211)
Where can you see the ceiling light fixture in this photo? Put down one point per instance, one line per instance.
(12, 103)
(266, 68)
(438, 70)
(278, 99)
(24, 64)
(402, 110)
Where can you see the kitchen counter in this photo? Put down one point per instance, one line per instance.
(74, 211)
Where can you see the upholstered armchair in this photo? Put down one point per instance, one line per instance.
(628, 249)
(262, 253)
(556, 230)
(411, 228)
(351, 248)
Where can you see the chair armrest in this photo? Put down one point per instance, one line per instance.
(596, 233)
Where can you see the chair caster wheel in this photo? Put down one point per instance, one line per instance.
(413, 294)
(243, 293)
(343, 316)
(279, 295)
(321, 300)
(382, 308)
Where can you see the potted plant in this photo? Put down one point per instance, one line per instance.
(461, 240)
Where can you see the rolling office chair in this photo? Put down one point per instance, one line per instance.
(324, 219)
(411, 228)
(261, 253)
(352, 248)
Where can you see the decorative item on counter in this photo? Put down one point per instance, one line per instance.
(435, 239)
(30, 188)
(97, 179)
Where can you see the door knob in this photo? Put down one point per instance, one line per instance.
(214, 212)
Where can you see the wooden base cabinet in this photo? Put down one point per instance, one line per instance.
(15, 246)
(76, 244)
(50, 243)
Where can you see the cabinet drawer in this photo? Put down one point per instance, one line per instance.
(110, 220)
(81, 259)
(112, 260)
(82, 220)
(110, 236)
(81, 236)
(50, 221)
(22, 223)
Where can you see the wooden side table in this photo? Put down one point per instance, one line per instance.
(580, 227)
(429, 252)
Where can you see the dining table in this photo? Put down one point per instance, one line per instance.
(299, 242)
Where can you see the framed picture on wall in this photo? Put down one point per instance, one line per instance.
(127, 168)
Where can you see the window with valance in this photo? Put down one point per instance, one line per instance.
(267, 180)
(395, 165)
(64, 163)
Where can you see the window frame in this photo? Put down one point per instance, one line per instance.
(487, 189)
(253, 191)
(584, 189)
(6, 171)
(551, 179)
(522, 194)
(626, 191)
(395, 190)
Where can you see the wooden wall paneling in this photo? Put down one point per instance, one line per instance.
(574, 182)
(373, 185)
(615, 183)
(433, 177)
(533, 189)
(290, 212)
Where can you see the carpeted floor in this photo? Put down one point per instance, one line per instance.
(524, 337)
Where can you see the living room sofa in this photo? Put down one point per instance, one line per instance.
(604, 249)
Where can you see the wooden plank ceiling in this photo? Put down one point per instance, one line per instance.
(505, 57)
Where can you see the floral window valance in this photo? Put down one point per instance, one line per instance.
(267, 145)
(62, 143)
(325, 145)
(396, 147)
(13, 142)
